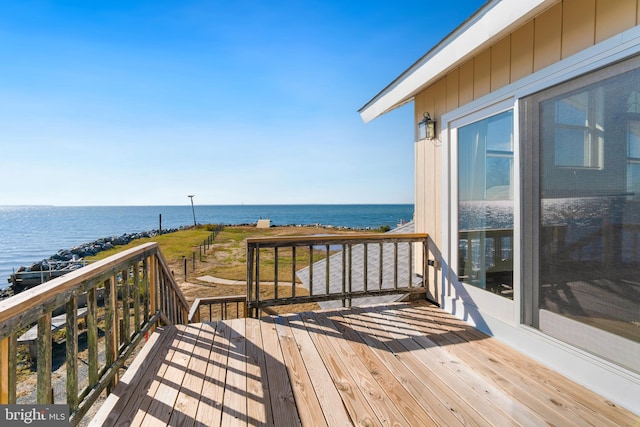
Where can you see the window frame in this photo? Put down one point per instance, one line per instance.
(457, 292)
(565, 329)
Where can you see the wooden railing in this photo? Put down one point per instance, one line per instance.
(218, 308)
(126, 296)
(339, 267)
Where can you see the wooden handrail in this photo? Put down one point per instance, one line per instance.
(272, 242)
(222, 301)
(375, 282)
(38, 295)
(137, 292)
(181, 300)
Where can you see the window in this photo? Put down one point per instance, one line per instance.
(578, 129)
(485, 204)
(633, 157)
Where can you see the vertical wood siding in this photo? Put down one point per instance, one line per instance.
(561, 31)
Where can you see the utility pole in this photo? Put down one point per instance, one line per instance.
(193, 210)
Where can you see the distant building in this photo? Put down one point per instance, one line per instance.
(530, 187)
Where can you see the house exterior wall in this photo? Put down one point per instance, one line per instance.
(571, 30)
(561, 31)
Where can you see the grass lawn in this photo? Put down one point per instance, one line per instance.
(226, 259)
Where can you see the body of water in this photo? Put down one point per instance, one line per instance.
(32, 233)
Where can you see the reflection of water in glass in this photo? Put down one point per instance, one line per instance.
(586, 222)
(485, 214)
(493, 218)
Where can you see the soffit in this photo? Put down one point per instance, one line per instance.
(491, 22)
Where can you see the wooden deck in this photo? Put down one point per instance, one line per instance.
(398, 364)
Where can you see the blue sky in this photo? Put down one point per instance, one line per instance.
(254, 102)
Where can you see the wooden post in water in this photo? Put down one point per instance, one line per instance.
(160, 223)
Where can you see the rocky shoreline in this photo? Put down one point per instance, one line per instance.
(66, 260)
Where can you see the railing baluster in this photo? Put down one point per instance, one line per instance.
(347, 289)
(380, 273)
(365, 266)
(257, 280)
(219, 305)
(44, 391)
(126, 291)
(136, 296)
(157, 285)
(344, 273)
(395, 265)
(92, 336)
(249, 273)
(350, 272)
(310, 270)
(425, 268)
(145, 281)
(327, 270)
(154, 290)
(71, 344)
(110, 325)
(293, 272)
(275, 272)
(410, 262)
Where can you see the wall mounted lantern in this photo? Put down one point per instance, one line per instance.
(427, 128)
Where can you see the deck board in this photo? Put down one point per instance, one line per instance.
(394, 364)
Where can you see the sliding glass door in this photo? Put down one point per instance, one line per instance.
(582, 177)
(485, 203)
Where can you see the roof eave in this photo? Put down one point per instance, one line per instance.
(493, 20)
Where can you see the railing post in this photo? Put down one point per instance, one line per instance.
(126, 316)
(257, 287)
(92, 335)
(71, 344)
(147, 288)
(8, 363)
(250, 250)
(44, 360)
(111, 326)
(136, 296)
(153, 287)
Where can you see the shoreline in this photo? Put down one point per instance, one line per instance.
(75, 255)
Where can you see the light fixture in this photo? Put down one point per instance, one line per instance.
(427, 128)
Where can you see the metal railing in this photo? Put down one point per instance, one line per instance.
(126, 296)
(339, 267)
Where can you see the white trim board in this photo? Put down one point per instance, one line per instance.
(495, 19)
